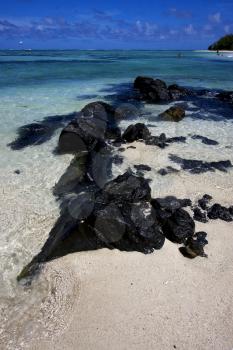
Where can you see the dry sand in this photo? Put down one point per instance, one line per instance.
(159, 301)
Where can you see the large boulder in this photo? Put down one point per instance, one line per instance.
(174, 114)
(152, 90)
(88, 128)
(136, 132)
(128, 188)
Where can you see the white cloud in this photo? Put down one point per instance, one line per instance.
(227, 28)
(189, 29)
(215, 17)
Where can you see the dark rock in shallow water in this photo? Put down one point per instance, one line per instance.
(159, 141)
(205, 140)
(113, 133)
(204, 201)
(142, 167)
(131, 147)
(136, 132)
(17, 171)
(176, 139)
(174, 114)
(217, 211)
(177, 91)
(117, 159)
(35, 134)
(31, 134)
(198, 166)
(194, 246)
(167, 170)
(199, 215)
(92, 125)
(226, 96)
(152, 90)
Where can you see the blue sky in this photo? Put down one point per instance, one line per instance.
(108, 24)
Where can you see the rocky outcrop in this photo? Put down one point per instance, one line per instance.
(152, 90)
(174, 114)
(93, 125)
(156, 90)
(136, 132)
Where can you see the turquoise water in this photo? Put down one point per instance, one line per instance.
(39, 84)
(201, 69)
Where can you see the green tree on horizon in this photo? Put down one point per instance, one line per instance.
(224, 43)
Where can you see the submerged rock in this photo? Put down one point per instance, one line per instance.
(142, 167)
(194, 246)
(205, 140)
(167, 170)
(176, 139)
(177, 91)
(198, 166)
(152, 90)
(159, 141)
(174, 114)
(226, 96)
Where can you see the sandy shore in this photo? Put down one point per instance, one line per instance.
(158, 301)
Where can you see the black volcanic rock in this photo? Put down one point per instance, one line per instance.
(218, 211)
(179, 226)
(226, 96)
(177, 91)
(199, 215)
(194, 246)
(136, 132)
(88, 128)
(204, 201)
(174, 114)
(128, 187)
(142, 167)
(152, 90)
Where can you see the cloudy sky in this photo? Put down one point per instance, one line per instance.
(108, 24)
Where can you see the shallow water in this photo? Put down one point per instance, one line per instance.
(39, 84)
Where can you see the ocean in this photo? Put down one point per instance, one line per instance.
(47, 87)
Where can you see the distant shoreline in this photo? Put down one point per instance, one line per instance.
(223, 51)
